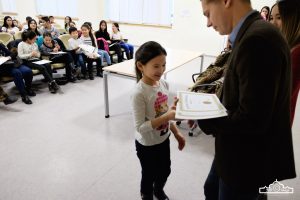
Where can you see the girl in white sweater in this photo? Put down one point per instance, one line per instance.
(28, 51)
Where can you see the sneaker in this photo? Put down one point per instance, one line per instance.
(51, 89)
(161, 195)
(10, 100)
(26, 100)
(55, 85)
(30, 92)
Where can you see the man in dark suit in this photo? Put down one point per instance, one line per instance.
(253, 144)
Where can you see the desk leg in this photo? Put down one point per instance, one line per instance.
(106, 103)
(202, 61)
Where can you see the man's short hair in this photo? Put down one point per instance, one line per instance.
(72, 29)
(46, 19)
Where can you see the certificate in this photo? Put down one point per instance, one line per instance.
(193, 105)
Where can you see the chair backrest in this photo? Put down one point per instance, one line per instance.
(6, 38)
(61, 31)
(64, 38)
(18, 35)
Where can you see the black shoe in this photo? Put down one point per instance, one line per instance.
(161, 195)
(30, 92)
(51, 89)
(85, 77)
(72, 79)
(100, 74)
(91, 76)
(26, 100)
(10, 100)
(147, 196)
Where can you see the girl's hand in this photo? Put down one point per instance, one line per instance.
(181, 141)
(34, 54)
(173, 107)
(57, 46)
(171, 114)
(55, 49)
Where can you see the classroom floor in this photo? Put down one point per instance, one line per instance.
(62, 148)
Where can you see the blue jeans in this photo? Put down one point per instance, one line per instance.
(20, 73)
(104, 54)
(216, 189)
(128, 49)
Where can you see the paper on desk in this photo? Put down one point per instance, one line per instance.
(41, 62)
(193, 105)
(58, 52)
(3, 59)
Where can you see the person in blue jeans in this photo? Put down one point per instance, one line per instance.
(15, 68)
(104, 54)
(116, 36)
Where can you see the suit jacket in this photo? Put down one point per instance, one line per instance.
(253, 145)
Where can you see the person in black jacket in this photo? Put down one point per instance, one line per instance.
(102, 33)
(14, 67)
(253, 144)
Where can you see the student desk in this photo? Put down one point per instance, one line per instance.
(126, 69)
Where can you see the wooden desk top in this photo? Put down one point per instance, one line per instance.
(175, 59)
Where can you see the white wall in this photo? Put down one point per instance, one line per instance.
(189, 30)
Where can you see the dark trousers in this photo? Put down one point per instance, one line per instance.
(216, 189)
(90, 64)
(44, 69)
(67, 59)
(117, 48)
(19, 73)
(156, 165)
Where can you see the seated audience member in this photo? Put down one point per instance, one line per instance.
(14, 67)
(265, 12)
(29, 52)
(67, 22)
(8, 26)
(77, 53)
(116, 36)
(87, 37)
(18, 24)
(51, 18)
(102, 33)
(286, 16)
(51, 46)
(73, 24)
(5, 98)
(47, 27)
(32, 26)
(25, 24)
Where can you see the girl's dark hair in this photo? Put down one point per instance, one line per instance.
(116, 25)
(5, 23)
(28, 35)
(36, 30)
(145, 53)
(268, 9)
(103, 22)
(290, 15)
(85, 25)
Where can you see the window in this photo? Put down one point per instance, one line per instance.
(57, 8)
(151, 12)
(9, 6)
